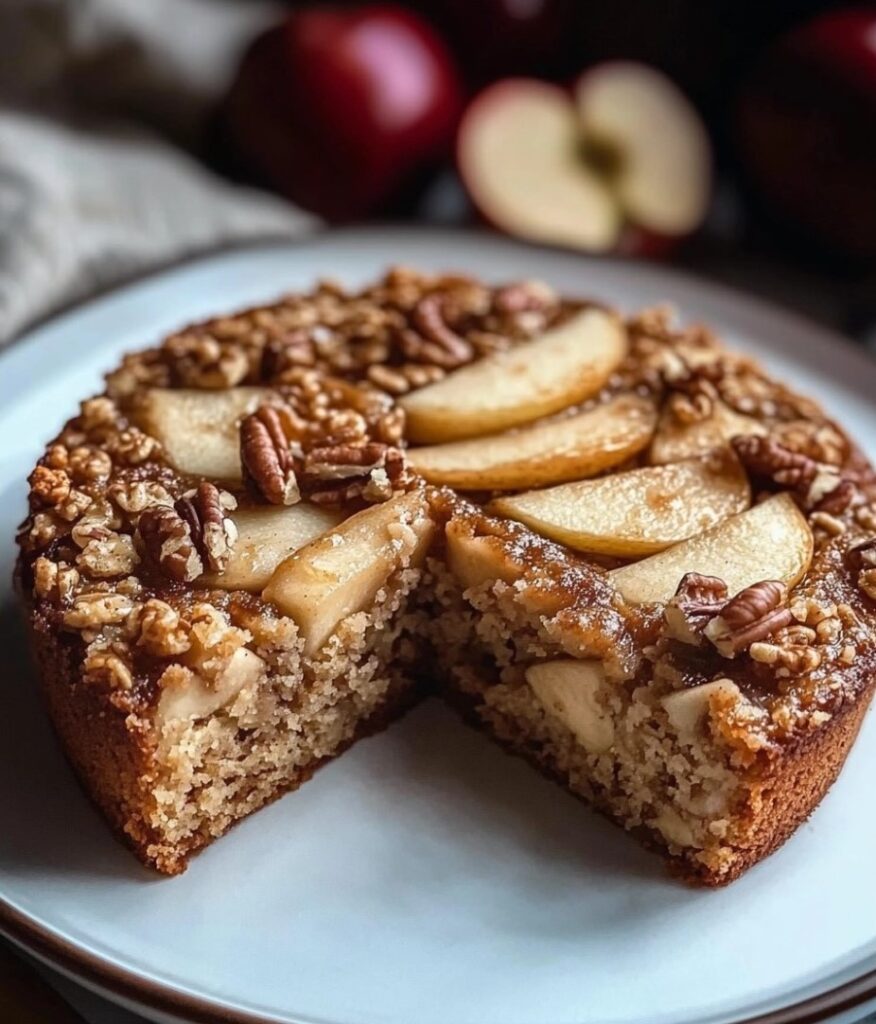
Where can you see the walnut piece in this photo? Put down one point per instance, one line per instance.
(269, 457)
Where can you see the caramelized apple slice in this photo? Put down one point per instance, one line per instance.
(675, 440)
(570, 690)
(198, 429)
(340, 573)
(771, 541)
(474, 560)
(566, 365)
(544, 453)
(638, 512)
(265, 536)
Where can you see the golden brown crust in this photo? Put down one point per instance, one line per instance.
(781, 799)
(113, 757)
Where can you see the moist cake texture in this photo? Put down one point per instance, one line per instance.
(623, 552)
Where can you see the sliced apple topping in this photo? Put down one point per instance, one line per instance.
(474, 560)
(571, 691)
(771, 541)
(565, 365)
(638, 512)
(265, 537)
(544, 453)
(675, 440)
(192, 696)
(341, 573)
(198, 429)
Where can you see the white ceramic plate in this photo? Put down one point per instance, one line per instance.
(423, 877)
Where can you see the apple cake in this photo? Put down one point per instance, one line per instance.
(621, 551)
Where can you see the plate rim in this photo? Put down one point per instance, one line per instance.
(115, 980)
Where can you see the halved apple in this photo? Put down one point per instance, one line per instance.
(544, 453)
(341, 572)
(198, 429)
(265, 536)
(771, 541)
(638, 512)
(675, 440)
(642, 130)
(570, 690)
(565, 365)
(519, 155)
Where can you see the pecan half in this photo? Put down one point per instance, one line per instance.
(820, 487)
(268, 457)
(212, 532)
(166, 541)
(337, 474)
(753, 614)
(697, 600)
(434, 342)
(765, 457)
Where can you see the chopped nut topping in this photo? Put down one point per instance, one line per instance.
(765, 457)
(158, 628)
(269, 457)
(49, 486)
(692, 398)
(203, 362)
(98, 609)
(54, 581)
(105, 665)
(212, 531)
(820, 487)
(863, 557)
(753, 614)
(434, 342)
(697, 600)
(167, 542)
(107, 556)
(193, 533)
(338, 474)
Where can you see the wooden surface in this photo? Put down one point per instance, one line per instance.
(25, 998)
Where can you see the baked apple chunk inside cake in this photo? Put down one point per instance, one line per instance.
(619, 550)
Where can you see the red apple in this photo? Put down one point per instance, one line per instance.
(622, 164)
(806, 129)
(340, 109)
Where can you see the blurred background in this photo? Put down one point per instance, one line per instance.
(736, 139)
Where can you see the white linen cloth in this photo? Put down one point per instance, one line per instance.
(99, 100)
